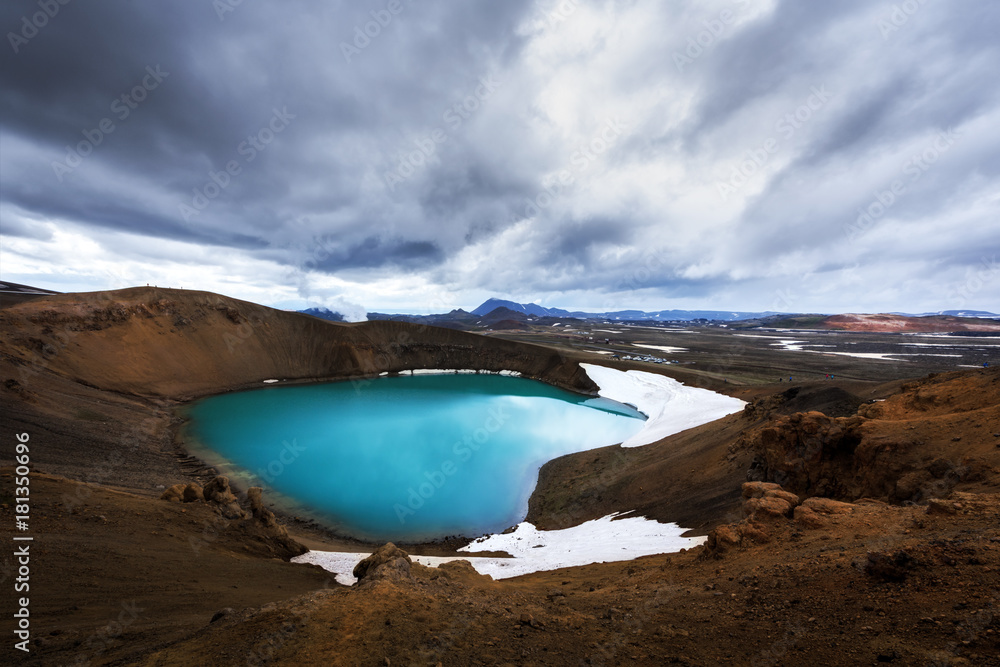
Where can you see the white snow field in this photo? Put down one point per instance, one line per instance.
(602, 540)
(662, 348)
(670, 406)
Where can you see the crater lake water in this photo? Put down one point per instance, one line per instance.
(407, 458)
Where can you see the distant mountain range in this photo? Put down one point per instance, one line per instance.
(535, 310)
(501, 313)
(954, 313)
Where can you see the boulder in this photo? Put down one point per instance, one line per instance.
(762, 509)
(769, 490)
(744, 533)
(388, 563)
(766, 501)
(261, 513)
(722, 538)
(193, 493)
(462, 570)
(218, 491)
(174, 494)
(232, 511)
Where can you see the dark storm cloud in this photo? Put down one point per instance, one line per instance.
(374, 252)
(223, 79)
(342, 141)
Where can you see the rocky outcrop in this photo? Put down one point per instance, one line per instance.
(388, 563)
(766, 500)
(767, 509)
(217, 491)
(765, 506)
(807, 452)
(256, 501)
(183, 493)
(817, 512)
(924, 442)
(255, 522)
(193, 493)
(831, 401)
(174, 494)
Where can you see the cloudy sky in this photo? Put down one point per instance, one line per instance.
(420, 155)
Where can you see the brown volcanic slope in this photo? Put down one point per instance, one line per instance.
(934, 437)
(892, 323)
(180, 344)
(832, 583)
(839, 585)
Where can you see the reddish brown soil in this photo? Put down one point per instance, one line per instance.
(899, 323)
(116, 580)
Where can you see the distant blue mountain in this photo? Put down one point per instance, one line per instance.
(968, 313)
(662, 315)
(528, 309)
(954, 313)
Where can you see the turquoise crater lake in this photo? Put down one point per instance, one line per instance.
(407, 458)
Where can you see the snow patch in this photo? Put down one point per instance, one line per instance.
(956, 345)
(664, 348)
(670, 406)
(884, 356)
(792, 345)
(271, 381)
(602, 540)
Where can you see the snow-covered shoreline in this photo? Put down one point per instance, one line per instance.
(604, 540)
(671, 407)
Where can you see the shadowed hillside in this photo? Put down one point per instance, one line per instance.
(181, 344)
